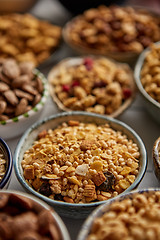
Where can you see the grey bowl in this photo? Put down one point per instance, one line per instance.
(72, 209)
(152, 106)
(86, 227)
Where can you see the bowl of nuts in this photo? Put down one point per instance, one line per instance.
(6, 164)
(27, 38)
(117, 32)
(93, 84)
(134, 215)
(26, 217)
(147, 79)
(156, 158)
(23, 93)
(76, 161)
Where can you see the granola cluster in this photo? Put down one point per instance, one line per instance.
(2, 165)
(130, 219)
(81, 162)
(27, 38)
(114, 29)
(150, 73)
(96, 85)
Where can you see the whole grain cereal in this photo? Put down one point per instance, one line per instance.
(134, 218)
(96, 85)
(2, 165)
(150, 73)
(81, 162)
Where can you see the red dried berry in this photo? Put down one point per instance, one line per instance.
(127, 93)
(75, 83)
(88, 62)
(65, 88)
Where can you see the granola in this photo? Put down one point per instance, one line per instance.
(81, 162)
(2, 165)
(96, 85)
(133, 218)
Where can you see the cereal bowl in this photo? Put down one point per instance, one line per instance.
(144, 72)
(26, 217)
(93, 84)
(114, 31)
(156, 157)
(6, 164)
(81, 204)
(21, 107)
(122, 217)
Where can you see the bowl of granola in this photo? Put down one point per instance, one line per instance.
(76, 161)
(147, 79)
(26, 217)
(6, 164)
(23, 94)
(133, 215)
(93, 84)
(117, 32)
(156, 157)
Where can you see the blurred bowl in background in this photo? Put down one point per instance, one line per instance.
(9, 6)
(6, 164)
(151, 105)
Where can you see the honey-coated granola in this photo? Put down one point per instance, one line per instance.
(135, 218)
(150, 73)
(81, 162)
(96, 85)
(26, 38)
(2, 165)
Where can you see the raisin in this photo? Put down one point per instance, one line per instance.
(58, 197)
(45, 189)
(109, 182)
(51, 162)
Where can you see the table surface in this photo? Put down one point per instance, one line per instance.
(136, 116)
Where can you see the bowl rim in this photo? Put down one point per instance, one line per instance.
(75, 113)
(59, 221)
(76, 60)
(36, 108)
(99, 211)
(8, 171)
(137, 72)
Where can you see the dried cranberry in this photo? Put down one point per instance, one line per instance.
(45, 189)
(65, 88)
(75, 83)
(127, 93)
(99, 84)
(88, 62)
(108, 184)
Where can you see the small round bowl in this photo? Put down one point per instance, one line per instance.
(86, 227)
(156, 158)
(5, 150)
(80, 210)
(16, 126)
(75, 61)
(30, 203)
(152, 106)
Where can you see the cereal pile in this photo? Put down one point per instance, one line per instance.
(150, 73)
(81, 162)
(27, 38)
(22, 219)
(94, 85)
(20, 89)
(2, 165)
(130, 219)
(114, 29)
